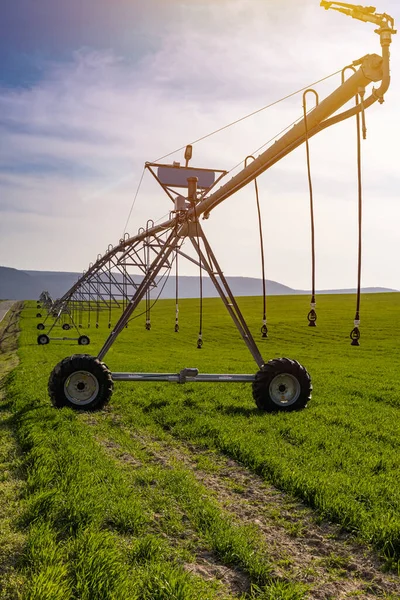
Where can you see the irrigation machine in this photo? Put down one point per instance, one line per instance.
(83, 381)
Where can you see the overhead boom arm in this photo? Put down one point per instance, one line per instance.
(372, 69)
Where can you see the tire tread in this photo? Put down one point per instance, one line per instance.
(271, 369)
(80, 362)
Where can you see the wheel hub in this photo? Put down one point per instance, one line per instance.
(81, 388)
(284, 389)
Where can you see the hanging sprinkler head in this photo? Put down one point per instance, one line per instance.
(264, 329)
(312, 315)
(355, 333)
(355, 336)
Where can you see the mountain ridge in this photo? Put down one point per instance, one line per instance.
(24, 285)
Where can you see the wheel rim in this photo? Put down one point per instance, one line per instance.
(84, 341)
(43, 340)
(81, 388)
(284, 389)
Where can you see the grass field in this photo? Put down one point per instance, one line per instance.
(190, 492)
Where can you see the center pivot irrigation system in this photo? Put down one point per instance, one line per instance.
(84, 381)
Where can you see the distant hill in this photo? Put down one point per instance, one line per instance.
(57, 283)
(27, 285)
(18, 285)
(366, 290)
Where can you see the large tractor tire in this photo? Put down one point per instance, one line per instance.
(81, 382)
(282, 385)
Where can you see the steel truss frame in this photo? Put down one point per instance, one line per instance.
(46, 300)
(108, 284)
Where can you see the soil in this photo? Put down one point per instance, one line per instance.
(331, 562)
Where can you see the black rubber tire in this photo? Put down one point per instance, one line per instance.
(94, 373)
(38, 315)
(292, 375)
(40, 326)
(43, 339)
(66, 327)
(83, 340)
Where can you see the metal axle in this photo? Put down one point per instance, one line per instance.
(185, 376)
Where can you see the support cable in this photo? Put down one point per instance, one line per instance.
(312, 315)
(222, 129)
(255, 112)
(226, 127)
(355, 333)
(134, 200)
(277, 135)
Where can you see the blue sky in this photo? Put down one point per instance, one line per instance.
(32, 33)
(90, 90)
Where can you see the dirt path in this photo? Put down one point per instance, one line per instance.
(332, 563)
(232, 582)
(11, 482)
(5, 306)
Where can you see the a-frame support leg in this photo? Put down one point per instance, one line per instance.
(210, 264)
(165, 251)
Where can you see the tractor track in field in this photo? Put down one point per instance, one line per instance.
(329, 561)
(12, 538)
(5, 306)
(207, 565)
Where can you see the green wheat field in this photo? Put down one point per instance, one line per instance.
(189, 492)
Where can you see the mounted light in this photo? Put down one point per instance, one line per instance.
(188, 153)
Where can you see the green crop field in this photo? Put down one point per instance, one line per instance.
(188, 491)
